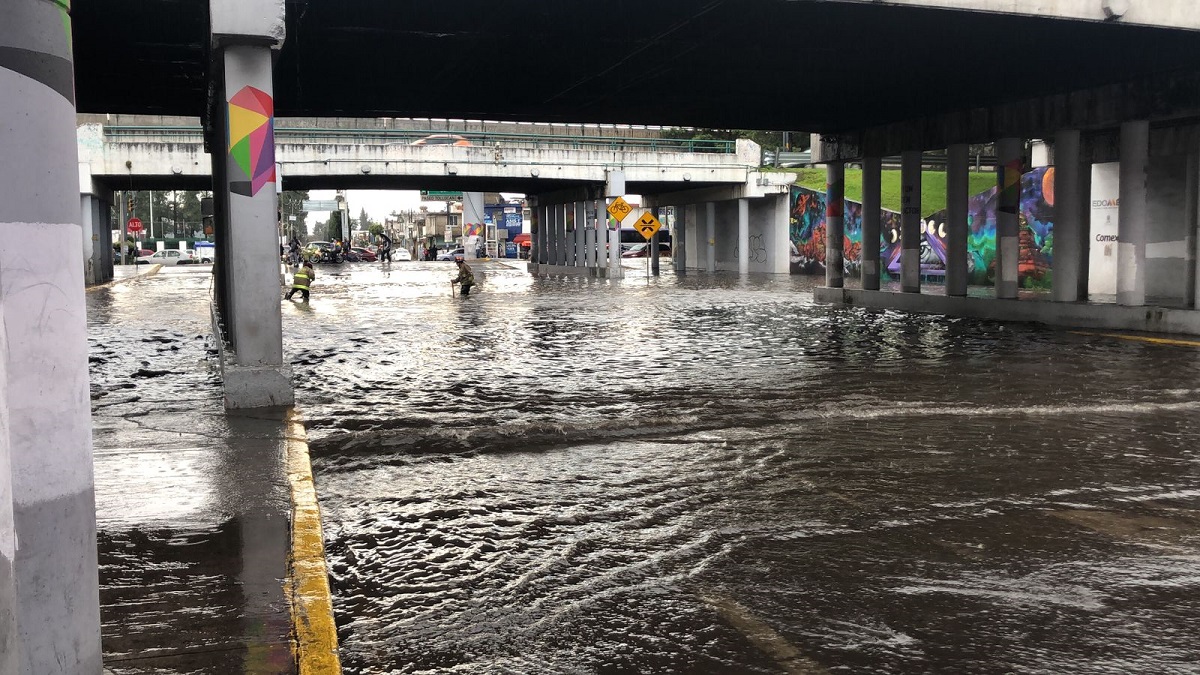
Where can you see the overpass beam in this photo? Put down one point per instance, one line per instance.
(1069, 216)
(958, 163)
(835, 224)
(49, 589)
(1131, 227)
(872, 183)
(910, 222)
(1008, 226)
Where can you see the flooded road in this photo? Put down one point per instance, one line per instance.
(713, 475)
(705, 474)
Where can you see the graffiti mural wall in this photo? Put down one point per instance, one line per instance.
(1037, 235)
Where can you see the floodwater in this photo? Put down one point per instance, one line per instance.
(706, 474)
(711, 475)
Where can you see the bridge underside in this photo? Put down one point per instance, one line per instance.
(721, 63)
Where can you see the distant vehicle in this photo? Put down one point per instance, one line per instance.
(442, 139)
(364, 255)
(401, 254)
(200, 256)
(643, 250)
(450, 255)
(168, 257)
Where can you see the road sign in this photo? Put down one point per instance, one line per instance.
(442, 195)
(320, 205)
(647, 225)
(619, 208)
(135, 225)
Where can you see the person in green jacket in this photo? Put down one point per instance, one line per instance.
(301, 280)
(465, 276)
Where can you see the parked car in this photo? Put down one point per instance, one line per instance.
(167, 257)
(364, 255)
(643, 250)
(401, 254)
(450, 255)
(193, 257)
(442, 139)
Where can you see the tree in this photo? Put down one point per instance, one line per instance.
(333, 227)
(291, 203)
(375, 229)
(363, 221)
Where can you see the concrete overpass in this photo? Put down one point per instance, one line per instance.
(161, 157)
(879, 78)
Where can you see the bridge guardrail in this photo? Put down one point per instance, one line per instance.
(409, 137)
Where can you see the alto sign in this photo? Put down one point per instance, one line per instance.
(134, 225)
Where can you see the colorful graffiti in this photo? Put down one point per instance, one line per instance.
(252, 140)
(1036, 234)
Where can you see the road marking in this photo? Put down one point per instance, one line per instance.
(764, 637)
(308, 581)
(1142, 338)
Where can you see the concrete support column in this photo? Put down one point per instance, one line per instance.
(679, 237)
(49, 591)
(872, 181)
(255, 374)
(654, 263)
(1008, 225)
(560, 213)
(710, 249)
(743, 236)
(580, 234)
(910, 222)
(474, 214)
(598, 226)
(614, 187)
(958, 164)
(835, 224)
(543, 235)
(1131, 228)
(1068, 216)
(1192, 206)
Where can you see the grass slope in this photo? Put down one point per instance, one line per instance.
(933, 186)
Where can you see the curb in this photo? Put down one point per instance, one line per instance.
(150, 271)
(307, 585)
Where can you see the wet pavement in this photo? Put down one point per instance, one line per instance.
(192, 504)
(708, 474)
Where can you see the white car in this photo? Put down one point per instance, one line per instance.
(401, 254)
(167, 257)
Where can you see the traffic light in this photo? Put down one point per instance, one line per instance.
(130, 204)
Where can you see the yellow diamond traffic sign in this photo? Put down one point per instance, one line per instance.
(647, 225)
(619, 208)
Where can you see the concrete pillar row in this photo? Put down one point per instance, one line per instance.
(1009, 153)
(49, 589)
(872, 185)
(1131, 228)
(560, 213)
(710, 249)
(743, 224)
(1069, 216)
(581, 229)
(835, 224)
(654, 262)
(614, 187)
(543, 235)
(910, 221)
(958, 163)
(679, 246)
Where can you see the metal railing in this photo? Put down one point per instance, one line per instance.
(431, 138)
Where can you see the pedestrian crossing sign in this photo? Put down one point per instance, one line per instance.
(619, 208)
(648, 225)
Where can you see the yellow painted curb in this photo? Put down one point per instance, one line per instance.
(308, 583)
(150, 271)
(1143, 338)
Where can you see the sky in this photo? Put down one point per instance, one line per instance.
(378, 203)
